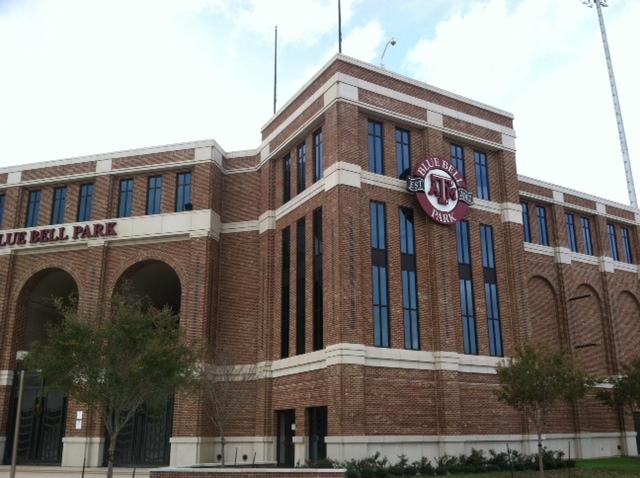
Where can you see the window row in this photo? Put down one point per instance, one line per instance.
(403, 157)
(301, 286)
(86, 194)
(466, 289)
(579, 233)
(301, 166)
(380, 283)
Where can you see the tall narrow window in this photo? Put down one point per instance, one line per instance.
(380, 278)
(183, 192)
(467, 304)
(318, 156)
(409, 287)
(403, 152)
(300, 286)
(571, 232)
(33, 209)
(526, 224)
(482, 175)
(491, 291)
(543, 233)
(613, 242)
(626, 244)
(1, 210)
(286, 178)
(586, 235)
(59, 203)
(154, 194)
(318, 326)
(125, 201)
(302, 167)
(85, 202)
(285, 291)
(376, 162)
(457, 157)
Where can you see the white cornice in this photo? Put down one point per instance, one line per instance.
(405, 79)
(358, 354)
(573, 192)
(157, 228)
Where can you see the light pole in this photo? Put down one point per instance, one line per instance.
(391, 42)
(616, 103)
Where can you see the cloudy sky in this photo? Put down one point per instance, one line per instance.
(87, 76)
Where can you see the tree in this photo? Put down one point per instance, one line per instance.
(624, 393)
(535, 379)
(221, 381)
(114, 367)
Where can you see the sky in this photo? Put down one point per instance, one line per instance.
(80, 77)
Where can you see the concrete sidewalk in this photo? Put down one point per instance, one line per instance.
(71, 472)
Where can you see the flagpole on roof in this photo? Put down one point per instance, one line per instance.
(275, 68)
(339, 28)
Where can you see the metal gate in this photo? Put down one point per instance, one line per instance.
(144, 441)
(42, 420)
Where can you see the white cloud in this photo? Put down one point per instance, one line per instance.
(300, 22)
(543, 60)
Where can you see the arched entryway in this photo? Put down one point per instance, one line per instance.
(144, 441)
(43, 412)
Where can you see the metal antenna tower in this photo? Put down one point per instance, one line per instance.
(616, 103)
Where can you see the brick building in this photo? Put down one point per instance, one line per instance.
(371, 326)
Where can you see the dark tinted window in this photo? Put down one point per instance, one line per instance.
(125, 204)
(183, 191)
(403, 152)
(376, 162)
(482, 175)
(85, 203)
(318, 155)
(154, 195)
(59, 205)
(33, 209)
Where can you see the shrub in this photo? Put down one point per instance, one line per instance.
(376, 466)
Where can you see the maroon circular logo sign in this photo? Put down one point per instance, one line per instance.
(441, 190)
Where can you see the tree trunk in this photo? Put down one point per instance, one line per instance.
(111, 455)
(540, 463)
(222, 446)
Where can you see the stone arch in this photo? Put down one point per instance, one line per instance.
(543, 312)
(155, 279)
(586, 330)
(626, 324)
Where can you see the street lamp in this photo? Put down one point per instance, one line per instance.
(391, 42)
(616, 103)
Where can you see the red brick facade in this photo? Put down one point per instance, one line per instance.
(229, 268)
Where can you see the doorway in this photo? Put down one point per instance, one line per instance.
(286, 431)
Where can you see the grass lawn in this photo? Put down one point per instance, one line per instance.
(598, 468)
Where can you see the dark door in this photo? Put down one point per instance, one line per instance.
(42, 418)
(636, 419)
(286, 431)
(317, 417)
(144, 440)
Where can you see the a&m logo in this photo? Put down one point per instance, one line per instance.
(441, 190)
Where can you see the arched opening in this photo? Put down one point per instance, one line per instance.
(627, 326)
(543, 312)
(586, 330)
(144, 442)
(43, 412)
(154, 280)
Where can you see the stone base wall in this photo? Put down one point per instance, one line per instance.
(244, 473)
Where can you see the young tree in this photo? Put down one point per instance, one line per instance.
(535, 379)
(114, 367)
(222, 383)
(625, 388)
